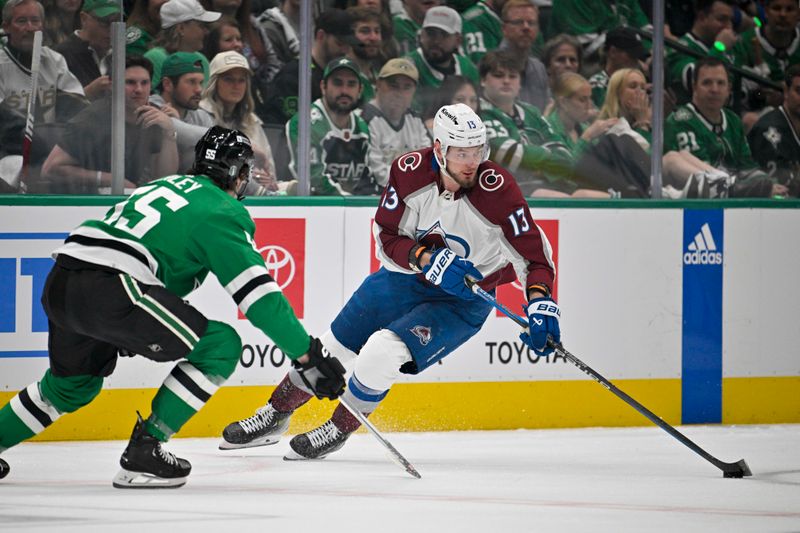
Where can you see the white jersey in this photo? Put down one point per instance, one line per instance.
(54, 77)
(489, 224)
(388, 142)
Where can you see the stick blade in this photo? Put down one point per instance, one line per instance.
(738, 469)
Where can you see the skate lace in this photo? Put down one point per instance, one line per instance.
(258, 421)
(325, 434)
(167, 457)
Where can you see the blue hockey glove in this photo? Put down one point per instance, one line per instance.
(447, 270)
(543, 316)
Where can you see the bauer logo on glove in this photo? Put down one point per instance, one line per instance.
(543, 316)
(447, 270)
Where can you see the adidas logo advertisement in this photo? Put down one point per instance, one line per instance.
(703, 250)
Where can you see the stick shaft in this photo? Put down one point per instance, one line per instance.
(396, 456)
(27, 140)
(739, 467)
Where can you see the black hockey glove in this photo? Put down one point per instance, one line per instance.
(323, 374)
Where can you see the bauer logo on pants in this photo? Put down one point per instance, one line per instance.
(282, 244)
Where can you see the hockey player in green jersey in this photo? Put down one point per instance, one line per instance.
(117, 288)
(716, 136)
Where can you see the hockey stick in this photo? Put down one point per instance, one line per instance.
(396, 456)
(736, 470)
(27, 140)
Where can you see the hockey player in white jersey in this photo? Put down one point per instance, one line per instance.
(446, 213)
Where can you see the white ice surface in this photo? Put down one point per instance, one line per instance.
(633, 479)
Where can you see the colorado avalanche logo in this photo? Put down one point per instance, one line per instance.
(490, 181)
(423, 333)
(436, 237)
(409, 162)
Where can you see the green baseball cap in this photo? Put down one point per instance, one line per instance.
(182, 63)
(101, 8)
(342, 62)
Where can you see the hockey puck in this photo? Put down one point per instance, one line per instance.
(4, 469)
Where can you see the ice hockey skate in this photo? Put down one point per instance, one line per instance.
(262, 429)
(146, 465)
(4, 469)
(317, 443)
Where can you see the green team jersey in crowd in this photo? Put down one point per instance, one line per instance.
(173, 232)
(591, 17)
(599, 84)
(339, 156)
(431, 79)
(525, 144)
(776, 147)
(720, 145)
(137, 41)
(405, 31)
(482, 30)
(679, 66)
(776, 60)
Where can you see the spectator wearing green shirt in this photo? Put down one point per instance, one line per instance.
(437, 57)
(589, 20)
(408, 22)
(716, 135)
(713, 21)
(521, 139)
(366, 49)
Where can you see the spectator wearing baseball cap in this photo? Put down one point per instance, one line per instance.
(184, 26)
(437, 57)
(394, 128)
(407, 23)
(88, 50)
(339, 137)
(333, 37)
(623, 49)
(229, 100)
(178, 95)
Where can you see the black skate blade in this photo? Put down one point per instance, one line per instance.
(225, 445)
(126, 479)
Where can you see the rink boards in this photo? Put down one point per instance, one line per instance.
(691, 308)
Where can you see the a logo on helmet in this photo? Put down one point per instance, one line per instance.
(490, 181)
(449, 115)
(279, 263)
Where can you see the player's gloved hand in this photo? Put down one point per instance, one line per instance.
(447, 270)
(322, 373)
(543, 315)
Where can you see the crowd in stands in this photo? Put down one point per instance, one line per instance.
(564, 88)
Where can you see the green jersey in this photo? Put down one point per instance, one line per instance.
(338, 156)
(775, 60)
(173, 232)
(482, 31)
(599, 84)
(589, 18)
(525, 144)
(137, 41)
(431, 79)
(679, 67)
(720, 145)
(405, 31)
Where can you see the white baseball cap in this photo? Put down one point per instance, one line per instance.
(443, 17)
(177, 11)
(225, 61)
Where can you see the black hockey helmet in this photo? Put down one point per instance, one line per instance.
(221, 154)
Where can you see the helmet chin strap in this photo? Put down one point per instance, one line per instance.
(442, 163)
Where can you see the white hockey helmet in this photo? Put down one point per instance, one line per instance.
(459, 125)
